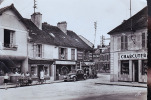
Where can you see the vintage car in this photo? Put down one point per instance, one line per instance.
(74, 76)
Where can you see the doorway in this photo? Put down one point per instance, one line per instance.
(135, 71)
(40, 67)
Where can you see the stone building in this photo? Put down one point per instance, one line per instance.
(128, 49)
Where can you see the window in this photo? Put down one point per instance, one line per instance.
(63, 53)
(39, 50)
(9, 38)
(33, 71)
(144, 40)
(144, 67)
(72, 54)
(46, 71)
(124, 43)
(124, 67)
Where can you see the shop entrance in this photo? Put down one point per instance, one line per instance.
(135, 71)
(40, 68)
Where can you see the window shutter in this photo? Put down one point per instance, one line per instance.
(42, 55)
(122, 44)
(11, 38)
(66, 53)
(59, 53)
(143, 40)
(126, 43)
(118, 44)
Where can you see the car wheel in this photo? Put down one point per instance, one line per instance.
(84, 77)
(74, 79)
(65, 80)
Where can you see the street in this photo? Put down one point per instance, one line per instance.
(80, 90)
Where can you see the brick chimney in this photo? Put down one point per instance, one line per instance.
(62, 26)
(36, 18)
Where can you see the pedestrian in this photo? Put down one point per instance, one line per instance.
(6, 77)
(41, 76)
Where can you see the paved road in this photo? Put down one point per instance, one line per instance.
(80, 90)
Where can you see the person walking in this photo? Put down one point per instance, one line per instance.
(6, 77)
(41, 76)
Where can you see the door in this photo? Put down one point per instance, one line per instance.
(135, 71)
(40, 67)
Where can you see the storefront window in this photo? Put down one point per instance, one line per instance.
(124, 67)
(46, 70)
(33, 71)
(144, 67)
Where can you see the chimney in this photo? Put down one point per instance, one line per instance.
(62, 26)
(36, 18)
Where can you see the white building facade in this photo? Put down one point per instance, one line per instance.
(128, 51)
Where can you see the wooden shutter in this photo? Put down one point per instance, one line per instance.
(126, 43)
(143, 40)
(122, 42)
(66, 53)
(59, 49)
(42, 48)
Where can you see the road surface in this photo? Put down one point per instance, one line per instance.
(80, 90)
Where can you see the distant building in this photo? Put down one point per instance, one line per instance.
(128, 49)
(102, 59)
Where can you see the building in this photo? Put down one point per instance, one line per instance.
(128, 49)
(13, 42)
(31, 45)
(102, 59)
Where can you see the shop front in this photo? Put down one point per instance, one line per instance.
(63, 68)
(36, 66)
(133, 67)
(11, 65)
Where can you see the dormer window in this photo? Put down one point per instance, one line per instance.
(52, 34)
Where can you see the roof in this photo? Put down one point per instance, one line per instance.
(37, 35)
(79, 43)
(49, 34)
(86, 41)
(139, 21)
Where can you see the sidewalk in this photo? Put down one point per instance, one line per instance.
(104, 79)
(12, 85)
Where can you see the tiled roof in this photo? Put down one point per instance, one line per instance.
(139, 21)
(37, 35)
(79, 43)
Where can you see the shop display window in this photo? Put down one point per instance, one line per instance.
(46, 71)
(144, 67)
(33, 71)
(124, 67)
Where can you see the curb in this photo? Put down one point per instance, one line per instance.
(122, 85)
(14, 86)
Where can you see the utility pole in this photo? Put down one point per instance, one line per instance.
(95, 27)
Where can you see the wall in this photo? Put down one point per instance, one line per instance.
(8, 20)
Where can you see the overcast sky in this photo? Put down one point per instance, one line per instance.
(80, 15)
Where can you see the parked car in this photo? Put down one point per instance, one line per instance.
(74, 76)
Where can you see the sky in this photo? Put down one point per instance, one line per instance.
(80, 15)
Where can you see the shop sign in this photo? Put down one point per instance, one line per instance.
(133, 56)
